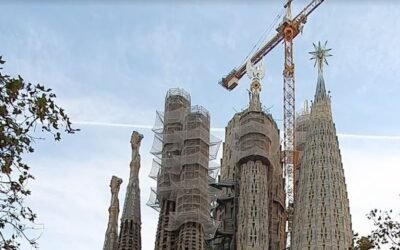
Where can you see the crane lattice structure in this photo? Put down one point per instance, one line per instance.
(286, 32)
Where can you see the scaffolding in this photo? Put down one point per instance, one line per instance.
(153, 201)
(183, 150)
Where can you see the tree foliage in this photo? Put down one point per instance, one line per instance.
(26, 111)
(387, 229)
(362, 243)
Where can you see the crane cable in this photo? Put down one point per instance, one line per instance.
(263, 36)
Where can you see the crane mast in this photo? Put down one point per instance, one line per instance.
(286, 32)
(289, 31)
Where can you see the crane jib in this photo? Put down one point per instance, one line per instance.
(232, 79)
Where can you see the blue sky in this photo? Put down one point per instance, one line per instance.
(113, 63)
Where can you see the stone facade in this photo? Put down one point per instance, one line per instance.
(251, 204)
(321, 216)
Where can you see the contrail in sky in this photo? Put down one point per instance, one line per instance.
(127, 125)
(109, 124)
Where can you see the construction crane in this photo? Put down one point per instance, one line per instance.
(286, 32)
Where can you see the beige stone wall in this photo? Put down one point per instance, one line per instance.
(251, 159)
(253, 216)
(321, 217)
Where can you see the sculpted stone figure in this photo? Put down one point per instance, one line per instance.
(130, 235)
(111, 240)
(256, 74)
(136, 138)
(115, 185)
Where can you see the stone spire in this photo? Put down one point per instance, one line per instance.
(322, 215)
(130, 237)
(256, 74)
(111, 239)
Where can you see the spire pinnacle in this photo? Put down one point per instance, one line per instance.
(136, 138)
(130, 235)
(255, 73)
(111, 239)
(320, 54)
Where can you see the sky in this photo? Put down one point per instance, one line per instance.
(112, 64)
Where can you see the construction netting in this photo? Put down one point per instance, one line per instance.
(174, 92)
(183, 152)
(153, 201)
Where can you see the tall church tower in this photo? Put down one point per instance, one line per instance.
(251, 203)
(183, 154)
(129, 236)
(321, 215)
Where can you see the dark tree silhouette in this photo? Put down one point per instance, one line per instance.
(387, 229)
(26, 111)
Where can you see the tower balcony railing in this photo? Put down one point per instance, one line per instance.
(178, 92)
(253, 151)
(200, 110)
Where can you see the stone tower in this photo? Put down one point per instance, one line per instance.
(111, 240)
(321, 214)
(251, 204)
(129, 235)
(182, 187)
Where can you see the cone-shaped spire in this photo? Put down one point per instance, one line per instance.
(320, 92)
(319, 55)
(321, 215)
(130, 236)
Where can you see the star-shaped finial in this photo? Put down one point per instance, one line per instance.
(320, 54)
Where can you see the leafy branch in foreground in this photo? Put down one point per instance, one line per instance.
(26, 110)
(387, 229)
(362, 243)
